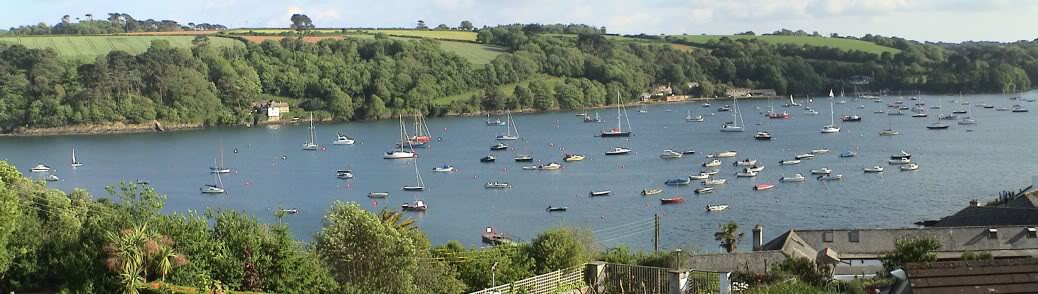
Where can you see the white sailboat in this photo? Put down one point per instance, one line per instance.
(734, 125)
(510, 125)
(221, 168)
(420, 185)
(401, 153)
(890, 129)
(831, 127)
(312, 144)
(618, 131)
(75, 163)
(216, 187)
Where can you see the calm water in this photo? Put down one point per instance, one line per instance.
(955, 166)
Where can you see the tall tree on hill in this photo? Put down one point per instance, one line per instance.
(442, 27)
(301, 22)
(466, 25)
(421, 25)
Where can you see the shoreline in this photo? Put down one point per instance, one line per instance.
(153, 127)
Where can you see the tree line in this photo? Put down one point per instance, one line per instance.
(115, 23)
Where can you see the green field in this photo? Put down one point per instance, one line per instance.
(477, 54)
(277, 31)
(87, 48)
(508, 89)
(434, 34)
(845, 44)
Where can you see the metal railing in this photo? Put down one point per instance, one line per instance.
(622, 278)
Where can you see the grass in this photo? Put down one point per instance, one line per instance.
(508, 89)
(87, 48)
(432, 34)
(277, 31)
(477, 54)
(845, 44)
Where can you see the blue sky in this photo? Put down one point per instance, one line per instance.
(929, 20)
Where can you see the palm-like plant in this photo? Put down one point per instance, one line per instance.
(396, 220)
(729, 236)
(131, 252)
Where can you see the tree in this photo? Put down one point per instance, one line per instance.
(421, 25)
(442, 27)
(560, 248)
(66, 19)
(466, 25)
(910, 250)
(729, 236)
(200, 40)
(301, 22)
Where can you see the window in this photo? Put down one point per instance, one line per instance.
(854, 236)
(1032, 232)
(827, 237)
(992, 233)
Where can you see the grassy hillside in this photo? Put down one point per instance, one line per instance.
(277, 30)
(434, 34)
(845, 44)
(478, 54)
(508, 89)
(87, 48)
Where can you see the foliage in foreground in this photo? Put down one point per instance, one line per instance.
(910, 250)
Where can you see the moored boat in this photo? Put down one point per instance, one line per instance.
(556, 208)
(746, 174)
(572, 157)
(900, 161)
(417, 205)
(39, 168)
(672, 200)
(488, 158)
(716, 207)
(910, 166)
(498, 147)
(745, 162)
(793, 178)
(493, 237)
(848, 154)
(821, 171)
(678, 182)
(341, 139)
(497, 185)
(763, 186)
(670, 154)
(443, 169)
(704, 190)
(712, 163)
(873, 169)
(789, 162)
(650, 192)
(830, 177)
(699, 177)
(805, 156)
(378, 194)
(344, 174)
(599, 193)
(618, 151)
(763, 136)
(713, 182)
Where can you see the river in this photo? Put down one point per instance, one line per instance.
(270, 169)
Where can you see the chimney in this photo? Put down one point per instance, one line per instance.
(758, 237)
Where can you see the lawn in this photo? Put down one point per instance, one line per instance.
(433, 34)
(508, 89)
(845, 44)
(87, 48)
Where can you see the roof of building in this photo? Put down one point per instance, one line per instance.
(987, 276)
(757, 261)
(1009, 241)
(1013, 215)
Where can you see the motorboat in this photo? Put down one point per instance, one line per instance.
(618, 151)
(789, 162)
(289, 210)
(922, 114)
(599, 193)
(716, 207)
(344, 174)
(874, 169)
(746, 174)
(830, 177)
(900, 161)
(572, 157)
(650, 192)
(670, 154)
(937, 126)
(444, 169)
(710, 172)
(755, 168)
(899, 112)
(678, 182)
(549, 166)
(888, 133)
(810, 111)
(417, 205)
(778, 115)
(819, 151)
(731, 127)
(415, 188)
(497, 185)
(821, 171)
(498, 147)
(51, 178)
(688, 152)
(763, 136)
(1018, 108)
(910, 166)
(699, 177)
(763, 186)
(493, 237)
(697, 118)
(793, 178)
(724, 108)
(849, 154)
(219, 170)
(745, 162)
(726, 154)
(378, 194)
(879, 111)
(590, 119)
(398, 154)
(704, 190)
(39, 168)
(523, 158)
(706, 104)
(712, 163)
(488, 158)
(341, 139)
(901, 155)
(556, 208)
(805, 156)
(672, 200)
(948, 117)
(967, 121)
(850, 118)
(1002, 109)
(531, 167)
(830, 129)
(714, 182)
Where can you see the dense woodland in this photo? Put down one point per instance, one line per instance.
(376, 78)
(114, 24)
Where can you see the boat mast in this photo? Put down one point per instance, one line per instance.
(312, 139)
(74, 156)
(618, 103)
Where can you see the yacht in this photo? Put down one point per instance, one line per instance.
(789, 162)
(75, 163)
(874, 169)
(595, 119)
(937, 126)
(734, 125)
(763, 136)
(215, 188)
(900, 161)
(444, 169)
(498, 146)
(618, 151)
(1018, 108)
(793, 178)
(312, 144)
(821, 171)
(572, 157)
(618, 131)
(909, 167)
(39, 168)
(510, 126)
(417, 205)
(712, 163)
(699, 177)
(401, 152)
(831, 127)
(341, 139)
(670, 154)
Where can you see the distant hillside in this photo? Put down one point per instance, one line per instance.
(845, 44)
(87, 48)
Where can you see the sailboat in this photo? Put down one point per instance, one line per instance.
(510, 126)
(589, 119)
(961, 110)
(221, 168)
(312, 144)
(422, 135)
(400, 152)
(495, 122)
(890, 129)
(618, 131)
(641, 109)
(420, 186)
(733, 126)
(831, 127)
(216, 187)
(75, 163)
(791, 102)
(775, 115)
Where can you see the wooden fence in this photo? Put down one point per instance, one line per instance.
(622, 278)
(549, 283)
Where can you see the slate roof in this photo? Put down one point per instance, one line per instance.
(1009, 241)
(757, 261)
(1015, 215)
(988, 276)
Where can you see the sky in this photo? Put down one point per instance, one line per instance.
(923, 20)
